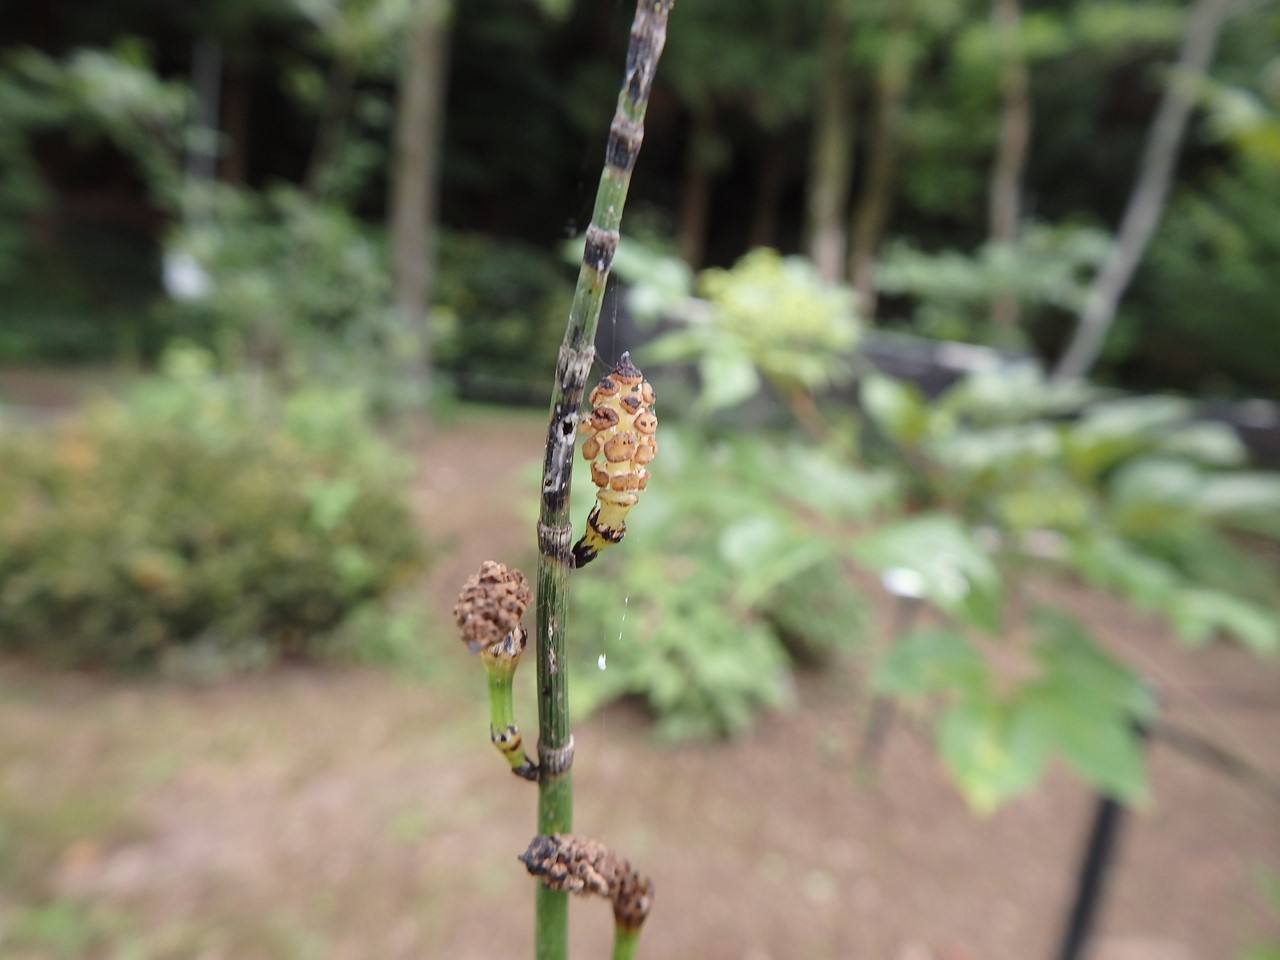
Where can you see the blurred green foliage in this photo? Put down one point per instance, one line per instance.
(282, 274)
(1211, 282)
(1131, 494)
(997, 733)
(301, 287)
(955, 502)
(950, 292)
(735, 569)
(201, 518)
(499, 314)
(769, 319)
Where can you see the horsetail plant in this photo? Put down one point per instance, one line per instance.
(555, 558)
(621, 428)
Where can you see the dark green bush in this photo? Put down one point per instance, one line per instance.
(1212, 285)
(200, 514)
(500, 314)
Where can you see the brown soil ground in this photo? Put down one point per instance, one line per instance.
(352, 814)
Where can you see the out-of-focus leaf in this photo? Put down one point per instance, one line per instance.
(1084, 705)
(727, 380)
(990, 753)
(755, 536)
(1104, 748)
(1154, 493)
(831, 487)
(1013, 393)
(931, 659)
(1213, 444)
(679, 345)
(897, 408)
(1114, 563)
(1113, 431)
(1250, 501)
(956, 573)
(1198, 614)
(1021, 446)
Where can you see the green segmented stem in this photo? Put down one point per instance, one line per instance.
(625, 941)
(503, 730)
(577, 351)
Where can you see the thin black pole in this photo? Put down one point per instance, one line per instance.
(1108, 818)
(1099, 852)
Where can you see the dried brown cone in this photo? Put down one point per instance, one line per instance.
(564, 861)
(632, 898)
(490, 606)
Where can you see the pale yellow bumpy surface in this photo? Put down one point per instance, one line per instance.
(619, 434)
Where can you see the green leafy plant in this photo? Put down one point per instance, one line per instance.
(770, 319)
(997, 731)
(1130, 493)
(201, 516)
(739, 570)
(286, 276)
(951, 292)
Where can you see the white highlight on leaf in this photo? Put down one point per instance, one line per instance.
(903, 582)
(600, 661)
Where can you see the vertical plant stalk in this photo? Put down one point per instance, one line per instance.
(577, 351)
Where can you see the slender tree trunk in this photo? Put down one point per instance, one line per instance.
(832, 165)
(695, 191)
(233, 160)
(1150, 191)
(871, 212)
(415, 178)
(769, 181)
(1011, 147)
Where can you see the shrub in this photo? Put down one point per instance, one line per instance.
(500, 310)
(278, 275)
(736, 570)
(199, 514)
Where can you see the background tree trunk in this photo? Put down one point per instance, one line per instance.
(1010, 163)
(769, 182)
(237, 93)
(871, 212)
(832, 154)
(695, 191)
(1150, 192)
(415, 179)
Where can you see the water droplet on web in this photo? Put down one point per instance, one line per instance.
(600, 661)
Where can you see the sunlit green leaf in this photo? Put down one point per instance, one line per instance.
(727, 380)
(992, 756)
(1199, 614)
(956, 573)
(930, 659)
(1114, 563)
(896, 407)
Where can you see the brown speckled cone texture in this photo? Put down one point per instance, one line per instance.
(584, 866)
(491, 604)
